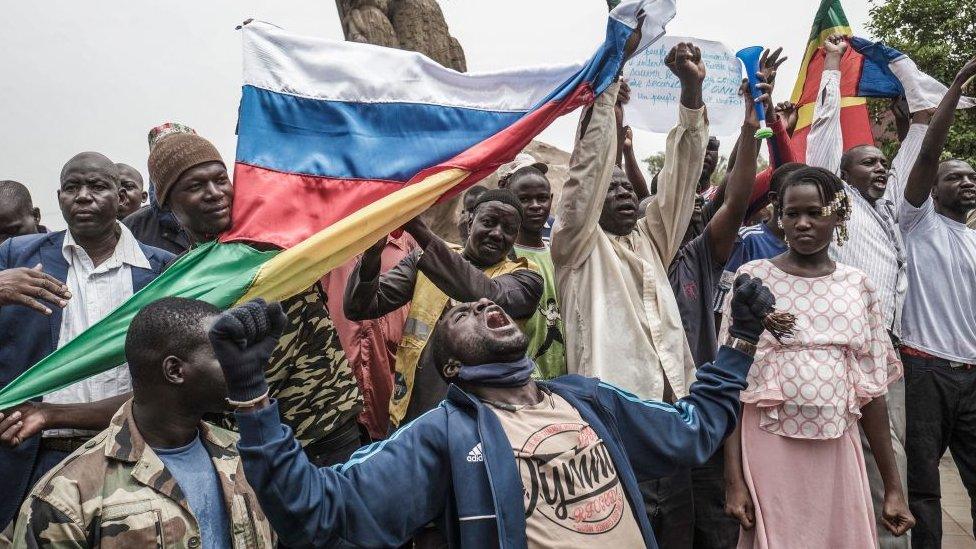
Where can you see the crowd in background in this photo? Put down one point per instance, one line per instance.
(609, 366)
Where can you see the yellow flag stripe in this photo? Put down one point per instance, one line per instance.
(300, 266)
(808, 55)
(805, 114)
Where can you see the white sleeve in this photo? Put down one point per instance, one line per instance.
(902, 164)
(825, 143)
(912, 219)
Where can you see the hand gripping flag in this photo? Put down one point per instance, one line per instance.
(340, 143)
(856, 126)
(868, 69)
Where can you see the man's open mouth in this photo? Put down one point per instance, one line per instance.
(496, 318)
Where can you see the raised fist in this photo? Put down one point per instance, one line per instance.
(685, 61)
(751, 303)
(835, 44)
(243, 339)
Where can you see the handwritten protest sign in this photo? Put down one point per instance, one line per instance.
(655, 91)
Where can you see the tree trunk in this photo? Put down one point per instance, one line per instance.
(415, 25)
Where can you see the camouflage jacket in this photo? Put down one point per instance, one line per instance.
(114, 492)
(308, 373)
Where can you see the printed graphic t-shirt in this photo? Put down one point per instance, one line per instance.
(573, 496)
(545, 328)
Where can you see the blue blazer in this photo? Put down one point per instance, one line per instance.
(27, 336)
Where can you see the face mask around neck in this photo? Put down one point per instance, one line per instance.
(499, 374)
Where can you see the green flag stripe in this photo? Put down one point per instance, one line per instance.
(215, 273)
(830, 14)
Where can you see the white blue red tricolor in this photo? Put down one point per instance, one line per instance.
(327, 127)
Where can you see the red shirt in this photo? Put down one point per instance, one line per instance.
(371, 345)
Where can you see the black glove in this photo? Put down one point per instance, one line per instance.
(243, 339)
(751, 302)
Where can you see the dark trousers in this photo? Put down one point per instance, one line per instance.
(713, 528)
(940, 414)
(341, 443)
(670, 509)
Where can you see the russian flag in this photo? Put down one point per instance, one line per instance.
(887, 72)
(339, 144)
(328, 127)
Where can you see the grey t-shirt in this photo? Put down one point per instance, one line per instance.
(190, 465)
(694, 275)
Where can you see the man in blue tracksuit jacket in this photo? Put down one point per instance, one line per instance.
(478, 465)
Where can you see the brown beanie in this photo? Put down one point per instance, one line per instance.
(174, 154)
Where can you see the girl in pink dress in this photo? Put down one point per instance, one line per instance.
(795, 471)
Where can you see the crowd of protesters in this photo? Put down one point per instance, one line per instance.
(627, 365)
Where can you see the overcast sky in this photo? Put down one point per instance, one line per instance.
(78, 76)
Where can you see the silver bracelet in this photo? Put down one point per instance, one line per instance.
(247, 403)
(741, 345)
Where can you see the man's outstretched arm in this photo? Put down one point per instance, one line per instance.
(379, 498)
(661, 438)
(825, 143)
(723, 227)
(517, 293)
(923, 177)
(370, 294)
(578, 211)
(669, 212)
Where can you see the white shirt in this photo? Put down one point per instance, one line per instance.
(95, 292)
(622, 320)
(940, 310)
(875, 245)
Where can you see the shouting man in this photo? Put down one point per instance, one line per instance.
(486, 464)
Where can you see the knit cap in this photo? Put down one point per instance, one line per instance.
(172, 153)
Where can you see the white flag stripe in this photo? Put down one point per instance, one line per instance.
(319, 68)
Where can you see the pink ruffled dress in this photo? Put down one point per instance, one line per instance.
(801, 451)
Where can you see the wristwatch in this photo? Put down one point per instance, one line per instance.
(741, 345)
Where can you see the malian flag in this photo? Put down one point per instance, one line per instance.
(341, 143)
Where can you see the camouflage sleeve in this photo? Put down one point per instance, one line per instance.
(45, 524)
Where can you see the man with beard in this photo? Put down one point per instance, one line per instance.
(18, 215)
(309, 373)
(53, 287)
(622, 321)
(939, 326)
(611, 266)
(499, 434)
(158, 476)
(433, 275)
